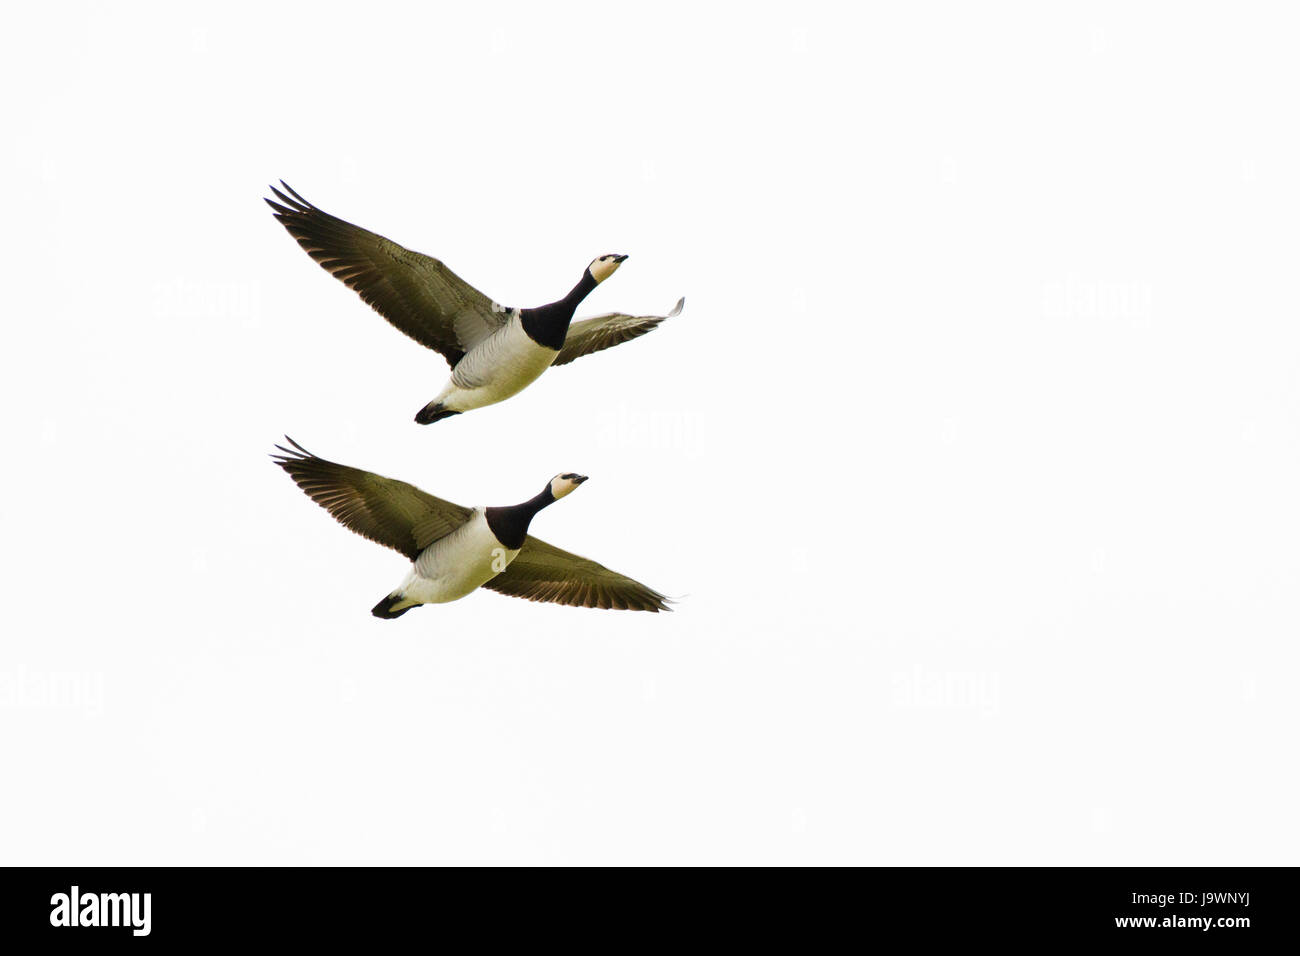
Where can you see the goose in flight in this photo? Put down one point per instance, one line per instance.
(454, 549)
(494, 351)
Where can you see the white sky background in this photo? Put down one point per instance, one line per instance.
(973, 455)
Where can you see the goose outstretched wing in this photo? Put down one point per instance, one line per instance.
(543, 572)
(415, 292)
(605, 331)
(385, 510)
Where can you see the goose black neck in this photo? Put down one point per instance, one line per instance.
(510, 525)
(548, 324)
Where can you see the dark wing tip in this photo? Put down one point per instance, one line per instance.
(660, 602)
(639, 598)
(294, 194)
(288, 456)
(296, 204)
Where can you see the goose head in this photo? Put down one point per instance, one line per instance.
(564, 484)
(604, 267)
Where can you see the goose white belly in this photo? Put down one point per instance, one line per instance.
(504, 363)
(457, 564)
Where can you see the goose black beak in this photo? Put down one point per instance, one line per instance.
(579, 479)
(619, 258)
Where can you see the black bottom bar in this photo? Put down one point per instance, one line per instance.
(1231, 907)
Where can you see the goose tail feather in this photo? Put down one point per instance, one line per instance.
(433, 412)
(385, 608)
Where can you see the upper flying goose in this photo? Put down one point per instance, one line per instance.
(454, 549)
(494, 351)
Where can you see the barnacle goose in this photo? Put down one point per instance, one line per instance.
(494, 351)
(454, 549)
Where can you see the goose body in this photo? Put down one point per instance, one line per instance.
(453, 566)
(455, 550)
(502, 365)
(494, 352)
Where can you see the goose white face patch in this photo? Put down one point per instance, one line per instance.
(604, 267)
(562, 485)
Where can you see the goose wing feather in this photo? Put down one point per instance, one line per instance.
(543, 572)
(416, 293)
(385, 510)
(605, 331)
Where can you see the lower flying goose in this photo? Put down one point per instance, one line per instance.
(494, 351)
(454, 549)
